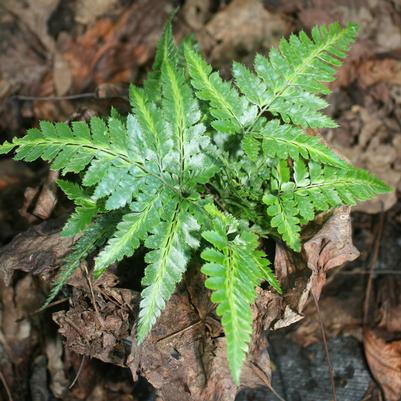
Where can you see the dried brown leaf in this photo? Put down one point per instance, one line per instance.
(39, 250)
(331, 247)
(384, 359)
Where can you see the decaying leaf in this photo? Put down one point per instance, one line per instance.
(229, 33)
(54, 352)
(98, 322)
(330, 247)
(38, 250)
(40, 201)
(384, 359)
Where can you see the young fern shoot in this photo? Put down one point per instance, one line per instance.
(198, 166)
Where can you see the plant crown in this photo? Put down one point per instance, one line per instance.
(205, 165)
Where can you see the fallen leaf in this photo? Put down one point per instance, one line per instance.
(241, 28)
(330, 247)
(376, 70)
(384, 359)
(87, 11)
(39, 250)
(61, 75)
(196, 13)
(389, 301)
(97, 324)
(54, 352)
(40, 201)
(35, 15)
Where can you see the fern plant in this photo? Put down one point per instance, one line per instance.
(205, 165)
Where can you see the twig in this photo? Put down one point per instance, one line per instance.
(93, 296)
(81, 365)
(326, 348)
(377, 273)
(43, 308)
(181, 331)
(3, 380)
(55, 98)
(372, 265)
(262, 376)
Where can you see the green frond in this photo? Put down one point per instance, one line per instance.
(234, 268)
(75, 193)
(250, 84)
(95, 235)
(190, 161)
(79, 220)
(131, 231)
(166, 50)
(85, 211)
(230, 111)
(284, 141)
(69, 149)
(149, 127)
(288, 81)
(295, 200)
(7, 147)
(335, 187)
(283, 212)
(170, 242)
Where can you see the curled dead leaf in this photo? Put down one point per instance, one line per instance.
(330, 247)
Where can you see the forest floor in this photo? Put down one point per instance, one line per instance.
(65, 60)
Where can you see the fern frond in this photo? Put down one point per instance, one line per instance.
(148, 121)
(69, 150)
(85, 211)
(234, 268)
(295, 201)
(79, 220)
(188, 134)
(75, 193)
(283, 212)
(166, 50)
(131, 231)
(94, 236)
(284, 141)
(288, 81)
(170, 242)
(335, 187)
(230, 111)
(7, 147)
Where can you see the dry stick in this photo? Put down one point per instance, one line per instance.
(81, 365)
(326, 348)
(55, 98)
(378, 273)
(101, 321)
(3, 380)
(42, 309)
(262, 376)
(372, 265)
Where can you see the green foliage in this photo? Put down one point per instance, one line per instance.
(91, 238)
(198, 158)
(235, 267)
